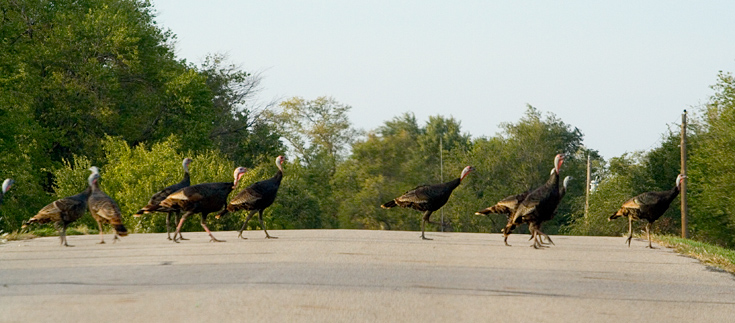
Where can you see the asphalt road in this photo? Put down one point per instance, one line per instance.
(353, 275)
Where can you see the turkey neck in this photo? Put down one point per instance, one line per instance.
(453, 183)
(278, 176)
(95, 187)
(553, 180)
(87, 192)
(672, 193)
(186, 179)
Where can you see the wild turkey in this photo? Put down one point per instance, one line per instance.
(649, 206)
(104, 209)
(531, 226)
(428, 198)
(538, 206)
(155, 206)
(565, 184)
(562, 192)
(202, 198)
(64, 211)
(256, 198)
(7, 183)
(505, 206)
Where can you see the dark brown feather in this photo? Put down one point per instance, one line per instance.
(65, 210)
(649, 205)
(104, 209)
(200, 198)
(154, 204)
(505, 206)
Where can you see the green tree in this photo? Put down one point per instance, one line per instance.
(712, 167)
(628, 176)
(73, 72)
(239, 129)
(319, 133)
(133, 174)
(320, 126)
(520, 158)
(400, 155)
(85, 69)
(20, 159)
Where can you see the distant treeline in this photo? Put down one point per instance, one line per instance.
(98, 83)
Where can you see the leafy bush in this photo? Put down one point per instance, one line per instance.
(604, 201)
(132, 175)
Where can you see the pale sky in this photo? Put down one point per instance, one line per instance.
(620, 71)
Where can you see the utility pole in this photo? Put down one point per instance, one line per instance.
(587, 190)
(441, 173)
(684, 231)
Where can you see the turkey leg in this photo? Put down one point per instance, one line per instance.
(102, 236)
(168, 225)
(427, 214)
(204, 225)
(62, 236)
(176, 220)
(260, 218)
(181, 223)
(544, 235)
(506, 232)
(244, 225)
(648, 233)
(536, 235)
(630, 230)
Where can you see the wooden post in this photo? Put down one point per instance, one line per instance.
(587, 189)
(684, 231)
(441, 174)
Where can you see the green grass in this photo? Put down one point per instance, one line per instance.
(709, 254)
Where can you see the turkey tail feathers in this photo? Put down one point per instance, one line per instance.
(222, 213)
(483, 212)
(389, 204)
(121, 230)
(495, 209)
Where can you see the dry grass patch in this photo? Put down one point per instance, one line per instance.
(709, 254)
(15, 235)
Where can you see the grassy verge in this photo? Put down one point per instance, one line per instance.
(709, 254)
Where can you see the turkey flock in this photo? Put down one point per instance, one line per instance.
(182, 200)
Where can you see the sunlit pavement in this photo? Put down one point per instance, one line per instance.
(355, 275)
